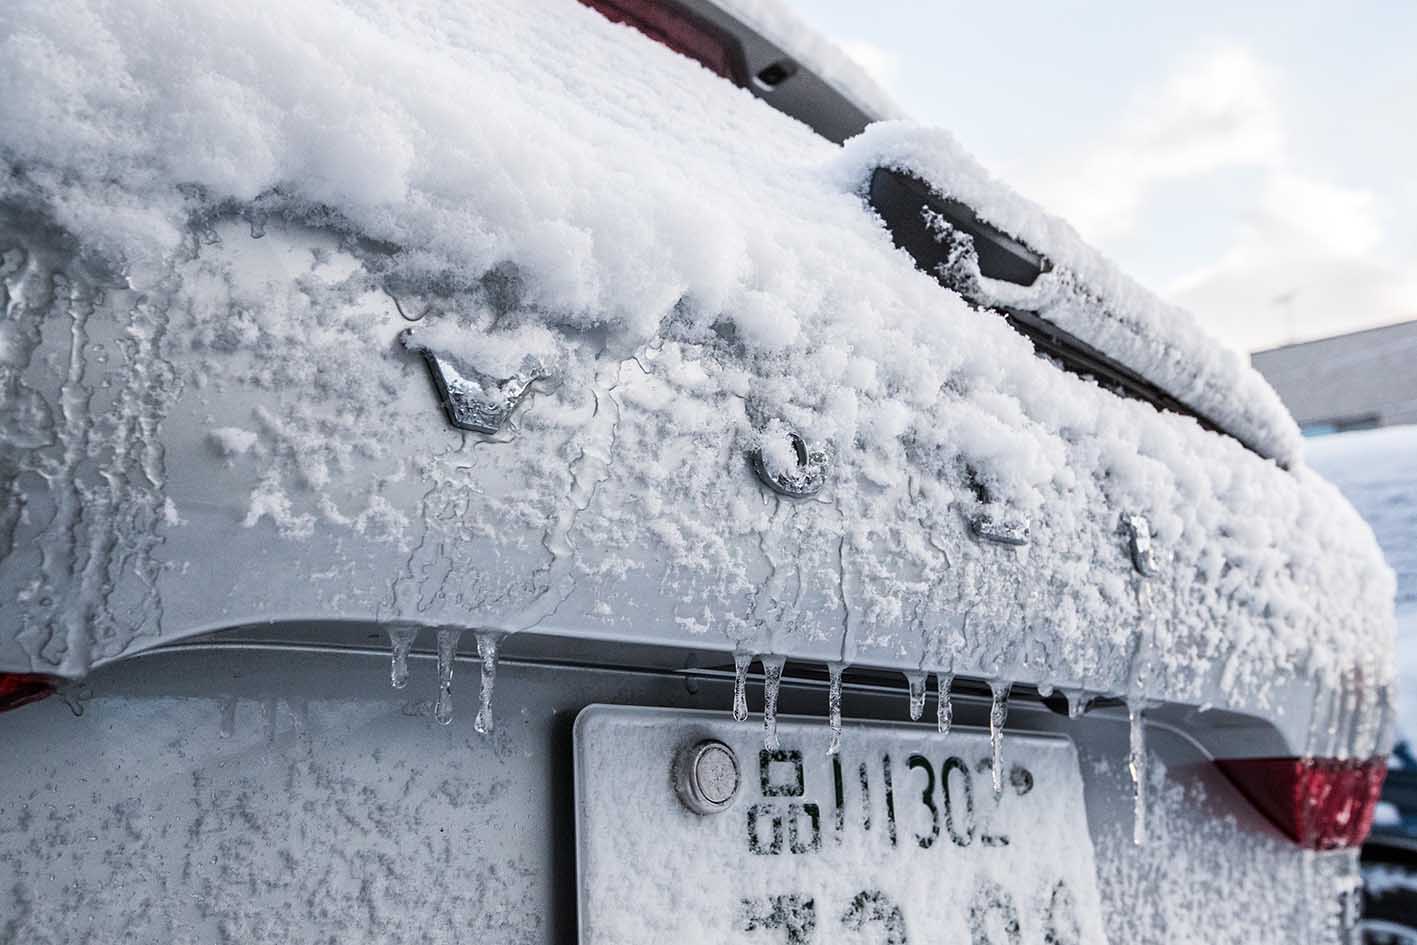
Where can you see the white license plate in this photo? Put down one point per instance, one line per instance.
(899, 838)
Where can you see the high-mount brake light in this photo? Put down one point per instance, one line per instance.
(1320, 803)
(680, 30)
(17, 689)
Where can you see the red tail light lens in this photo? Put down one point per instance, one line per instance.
(678, 29)
(1321, 803)
(17, 689)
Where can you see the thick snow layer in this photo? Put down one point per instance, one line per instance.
(1085, 294)
(1376, 470)
(686, 272)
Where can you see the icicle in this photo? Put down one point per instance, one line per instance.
(1077, 702)
(772, 681)
(915, 683)
(402, 639)
(998, 712)
(834, 708)
(487, 650)
(741, 661)
(944, 708)
(447, 647)
(1136, 764)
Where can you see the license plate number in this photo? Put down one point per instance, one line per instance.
(898, 838)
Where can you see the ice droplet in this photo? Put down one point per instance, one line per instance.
(772, 681)
(402, 639)
(834, 707)
(944, 708)
(741, 661)
(487, 651)
(998, 712)
(1136, 764)
(916, 684)
(447, 646)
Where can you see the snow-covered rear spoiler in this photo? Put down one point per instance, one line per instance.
(949, 241)
(1002, 252)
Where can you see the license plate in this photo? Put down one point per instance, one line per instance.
(898, 838)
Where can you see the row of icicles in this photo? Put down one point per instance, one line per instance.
(487, 641)
(944, 715)
(402, 639)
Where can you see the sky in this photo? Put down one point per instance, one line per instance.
(1254, 162)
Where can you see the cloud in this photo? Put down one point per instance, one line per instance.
(1295, 255)
(880, 63)
(1217, 110)
(1311, 260)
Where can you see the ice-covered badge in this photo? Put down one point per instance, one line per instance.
(473, 401)
(787, 464)
(1138, 531)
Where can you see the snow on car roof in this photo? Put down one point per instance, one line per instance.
(558, 191)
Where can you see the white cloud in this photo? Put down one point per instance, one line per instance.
(880, 63)
(1295, 255)
(1215, 111)
(1310, 261)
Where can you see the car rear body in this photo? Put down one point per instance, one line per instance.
(1375, 470)
(550, 400)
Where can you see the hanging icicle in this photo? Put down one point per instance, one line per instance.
(447, 648)
(944, 708)
(772, 682)
(487, 651)
(998, 713)
(401, 639)
(741, 661)
(834, 707)
(915, 684)
(1136, 764)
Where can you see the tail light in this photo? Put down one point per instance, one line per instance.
(17, 689)
(1320, 803)
(680, 30)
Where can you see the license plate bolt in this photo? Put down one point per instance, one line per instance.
(706, 777)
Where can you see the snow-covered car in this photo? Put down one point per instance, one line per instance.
(1377, 471)
(352, 349)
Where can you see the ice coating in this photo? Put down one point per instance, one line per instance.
(834, 671)
(915, 684)
(487, 654)
(447, 649)
(401, 641)
(772, 683)
(616, 503)
(741, 661)
(944, 708)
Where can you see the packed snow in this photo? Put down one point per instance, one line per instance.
(259, 200)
